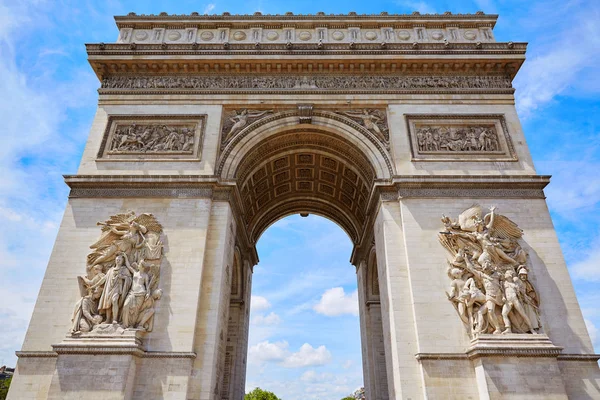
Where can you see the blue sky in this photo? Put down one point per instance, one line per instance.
(48, 99)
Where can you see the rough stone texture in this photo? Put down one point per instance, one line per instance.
(32, 378)
(519, 378)
(445, 379)
(162, 378)
(77, 377)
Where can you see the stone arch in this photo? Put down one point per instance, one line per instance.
(237, 276)
(328, 167)
(372, 276)
(326, 122)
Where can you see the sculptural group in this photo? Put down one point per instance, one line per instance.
(490, 287)
(123, 271)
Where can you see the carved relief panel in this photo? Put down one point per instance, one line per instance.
(153, 138)
(459, 138)
(120, 288)
(489, 272)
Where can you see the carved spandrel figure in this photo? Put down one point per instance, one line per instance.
(242, 119)
(488, 248)
(370, 120)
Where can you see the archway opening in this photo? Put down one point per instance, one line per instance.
(326, 170)
(304, 325)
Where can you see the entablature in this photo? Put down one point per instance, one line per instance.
(406, 59)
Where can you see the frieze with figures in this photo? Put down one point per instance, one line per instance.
(152, 137)
(460, 138)
(329, 82)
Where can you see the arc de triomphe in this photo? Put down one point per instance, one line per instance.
(400, 128)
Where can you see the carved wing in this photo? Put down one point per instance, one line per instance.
(106, 239)
(504, 228)
(120, 221)
(150, 222)
(453, 243)
(467, 218)
(83, 288)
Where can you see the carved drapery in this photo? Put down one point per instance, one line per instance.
(490, 289)
(120, 288)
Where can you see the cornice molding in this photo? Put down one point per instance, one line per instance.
(205, 50)
(196, 18)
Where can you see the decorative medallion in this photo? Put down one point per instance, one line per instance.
(404, 35)
(306, 35)
(174, 35)
(207, 35)
(470, 35)
(370, 35)
(272, 35)
(239, 35)
(437, 35)
(141, 35)
(338, 35)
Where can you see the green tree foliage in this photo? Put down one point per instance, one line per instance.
(259, 394)
(348, 398)
(4, 385)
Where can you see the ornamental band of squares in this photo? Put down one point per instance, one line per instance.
(153, 138)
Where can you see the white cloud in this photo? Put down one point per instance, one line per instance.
(335, 302)
(570, 52)
(420, 6)
(308, 356)
(270, 319)
(209, 7)
(588, 267)
(267, 351)
(313, 376)
(348, 364)
(574, 186)
(259, 303)
(278, 352)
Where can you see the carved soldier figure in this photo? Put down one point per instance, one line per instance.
(117, 282)
(493, 294)
(85, 314)
(512, 292)
(530, 298)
